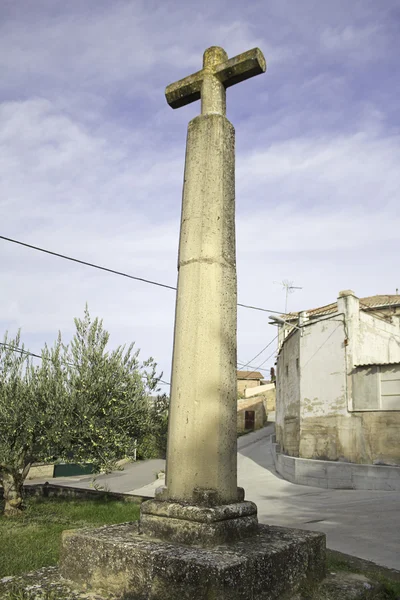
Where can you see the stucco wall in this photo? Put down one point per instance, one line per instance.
(323, 390)
(287, 418)
(259, 390)
(376, 340)
(318, 412)
(265, 392)
(243, 384)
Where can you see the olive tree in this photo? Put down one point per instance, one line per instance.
(107, 396)
(83, 402)
(32, 413)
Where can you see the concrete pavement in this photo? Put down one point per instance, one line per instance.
(361, 523)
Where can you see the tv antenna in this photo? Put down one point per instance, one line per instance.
(289, 289)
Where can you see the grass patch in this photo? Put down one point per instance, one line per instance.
(32, 540)
(390, 579)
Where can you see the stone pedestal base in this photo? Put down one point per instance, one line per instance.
(118, 560)
(192, 525)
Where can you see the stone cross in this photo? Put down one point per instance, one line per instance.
(231, 556)
(201, 464)
(211, 82)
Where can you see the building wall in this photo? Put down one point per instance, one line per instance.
(255, 404)
(244, 384)
(323, 401)
(287, 418)
(377, 431)
(328, 410)
(261, 389)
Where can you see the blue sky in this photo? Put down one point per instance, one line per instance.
(92, 158)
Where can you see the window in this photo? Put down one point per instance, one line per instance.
(376, 387)
(297, 365)
(287, 370)
(390, 387)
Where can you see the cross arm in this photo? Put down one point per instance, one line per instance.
(227, 72)
(185, 90)
(241, 67)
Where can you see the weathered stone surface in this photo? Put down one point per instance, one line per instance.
(349, 586)
(47, 584)
(198, 525)
(115, 559)
(200, 514)
(226, 71)
(202, 417)
(343, 586)
(44, 584)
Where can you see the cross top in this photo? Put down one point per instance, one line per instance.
(217, 74)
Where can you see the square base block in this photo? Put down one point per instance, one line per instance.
(117, 560)
(192, 525)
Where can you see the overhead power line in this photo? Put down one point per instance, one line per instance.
(115, 272)
(87, 264)
(257, 355)
(240, 367)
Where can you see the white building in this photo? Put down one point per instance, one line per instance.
(338, 381)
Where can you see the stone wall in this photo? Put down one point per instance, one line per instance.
(359, 437)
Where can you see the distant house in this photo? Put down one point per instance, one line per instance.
(248, 379)
(256, 400)
(338, 381)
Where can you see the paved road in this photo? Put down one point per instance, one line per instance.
(362, 523)
(133, 476)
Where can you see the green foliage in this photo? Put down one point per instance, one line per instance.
(107, 395)
(153, 444)
(31, 413)
(84, 403)
(337, 562)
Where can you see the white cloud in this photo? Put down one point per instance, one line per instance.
(361, 44)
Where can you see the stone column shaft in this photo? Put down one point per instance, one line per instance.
(202, 422)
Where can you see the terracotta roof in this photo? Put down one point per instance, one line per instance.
(249, 375)
(369, 303)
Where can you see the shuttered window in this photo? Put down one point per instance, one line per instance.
(390, 387)
(376, 387)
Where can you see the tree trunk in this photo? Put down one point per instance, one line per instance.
(12, 484)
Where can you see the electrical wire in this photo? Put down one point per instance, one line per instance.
(263, 363)
(240, 366)
(115, 272)
(256, 356)
(88, 264)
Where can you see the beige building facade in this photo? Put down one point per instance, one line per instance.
(247, 380)
(338, 381)
(256, 407)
